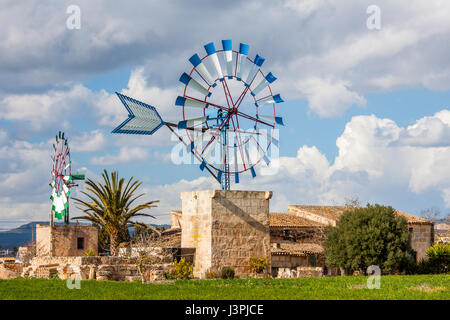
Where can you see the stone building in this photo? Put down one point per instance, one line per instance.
(227, 228)
(66, 240)
(422, 230)
(295, 246)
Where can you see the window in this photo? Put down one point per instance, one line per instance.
(80, 243)
(313, 261)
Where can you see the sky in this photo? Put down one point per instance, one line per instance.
(366, 93)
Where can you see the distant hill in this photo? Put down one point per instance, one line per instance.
(18, 236)
(22, 235)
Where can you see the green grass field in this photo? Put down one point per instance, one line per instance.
(352, 287)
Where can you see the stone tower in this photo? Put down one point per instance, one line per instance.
(226, 228)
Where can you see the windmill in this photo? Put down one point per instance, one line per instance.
(227, 137)
(62, 179)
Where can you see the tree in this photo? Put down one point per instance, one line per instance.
(373, 235)
(352, 202)
(111, 206)
(432, 214)
(447, 219)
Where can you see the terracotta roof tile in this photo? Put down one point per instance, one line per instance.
(413, 219)
(289, 220)
(329, 212)
(297, 249)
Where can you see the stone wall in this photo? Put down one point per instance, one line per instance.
(299, 272)
(66, 240)
(99, 268)
(422, 238)
(226, 228)
(294, 261)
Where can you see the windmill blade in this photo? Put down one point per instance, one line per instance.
(236, 168)
(66, 190)
(190, 122)
(187, 102)
(217, 131)
(228, 52)
(257, 63)
(67, 165)
(269, 100)
(212, 54)
(192, 83)
(206, 155)
(142, 118)
(263, 84)
(270, 138)
(261, 151)
(202, 70)
(243, 52)
(278, 120)
(252, 169)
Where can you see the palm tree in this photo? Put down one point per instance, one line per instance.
(110, 206)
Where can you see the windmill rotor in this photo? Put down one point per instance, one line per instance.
(62, 178)
(223, 110)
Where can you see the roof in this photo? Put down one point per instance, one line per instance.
(334, 212)
(297, 249)
(329, 212)
(286, 220)
(412, 218)
(171, 230)
(171, 237)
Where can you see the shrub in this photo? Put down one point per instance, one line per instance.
(373, 235)
(258, 264)
(210, 275)
(89, 253)
(182, 269)
(439, 258)
(227, 273)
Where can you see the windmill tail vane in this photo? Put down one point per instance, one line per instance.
(212, 107)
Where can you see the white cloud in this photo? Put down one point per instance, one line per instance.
(446, 196)
(40, 111)
(88, 141)
(429, 131)
(329, 97)
(304, 7)
(3, 136)
(126, 154)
